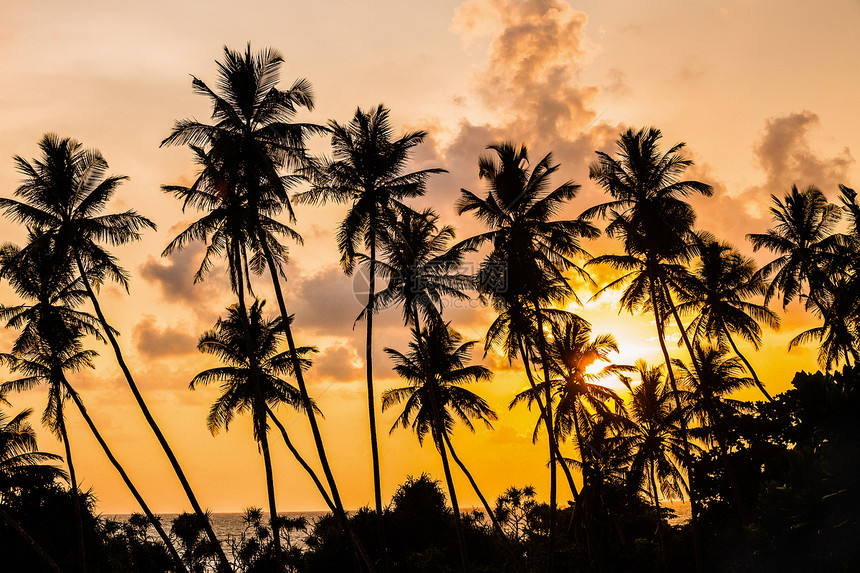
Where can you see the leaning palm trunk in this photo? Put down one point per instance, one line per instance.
(371, 402)
(301, 460)
(543, 412)
(339, 512)
(40, 551)
(201, 515)
(688, 458)
(156, 523)
(259, 417)
(76, 502)
(660, 533)
(747, 364)
(553, 449)
(718, 433)
(515, 559)
(440, 445)
(371, 405)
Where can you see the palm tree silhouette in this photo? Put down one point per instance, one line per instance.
(50, 340)
(654, 438)
(435, 368)
(423, 273)
(717, 290)
(581, 401)
(715, 377)
(367, 172)
(250, 380)
(523, 275)
(802, 238)
(648, 213)
(243, 155)
(21, 463)
(808, 266)
(63, 195)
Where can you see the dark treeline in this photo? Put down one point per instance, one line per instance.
(772, 484)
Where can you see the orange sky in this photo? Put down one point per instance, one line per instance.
(764, 94)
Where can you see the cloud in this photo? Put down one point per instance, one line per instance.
(340, 362)
(155, 342)
(174, 277)
(785, 156)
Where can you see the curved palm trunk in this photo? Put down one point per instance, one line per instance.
(747, 364)
(40, 551)
(660, 533)
(339, 512)
(177, 469)
(688, 458)
(554, 456)
(270, 487)
(515, 559)
(76, 502)
(259, 420)
(586, 506)
(543, 412)
(720, 438)
(371, 401)
(440, 445)
(301, 460)
(156, 523)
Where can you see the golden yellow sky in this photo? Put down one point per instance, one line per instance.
(764, 93)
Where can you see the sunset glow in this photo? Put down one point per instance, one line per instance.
(764, 94)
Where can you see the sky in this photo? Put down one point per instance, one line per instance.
(762, 93)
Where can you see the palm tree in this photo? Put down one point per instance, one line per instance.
(422, 271)
(717, 290)
(244, 153)
(803, 240)
(22, 463)
(581, 402)
(63, 195)
(809, 266)
(654, 222)
(524, 274)
(654, 438)
(713, 379)
(367, 172)
(435, 368)
(50, 338)
(718, 377)
(250, 380)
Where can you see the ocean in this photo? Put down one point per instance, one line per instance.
(229, 525)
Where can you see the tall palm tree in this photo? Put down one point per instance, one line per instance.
(22, 463)
(64, 194)
(650, 216)
(50, 338)
(436, 370)
(244, 153)
(717, 290)
(250, 380)
(368, 173)
(524, 274)
(423, 276)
